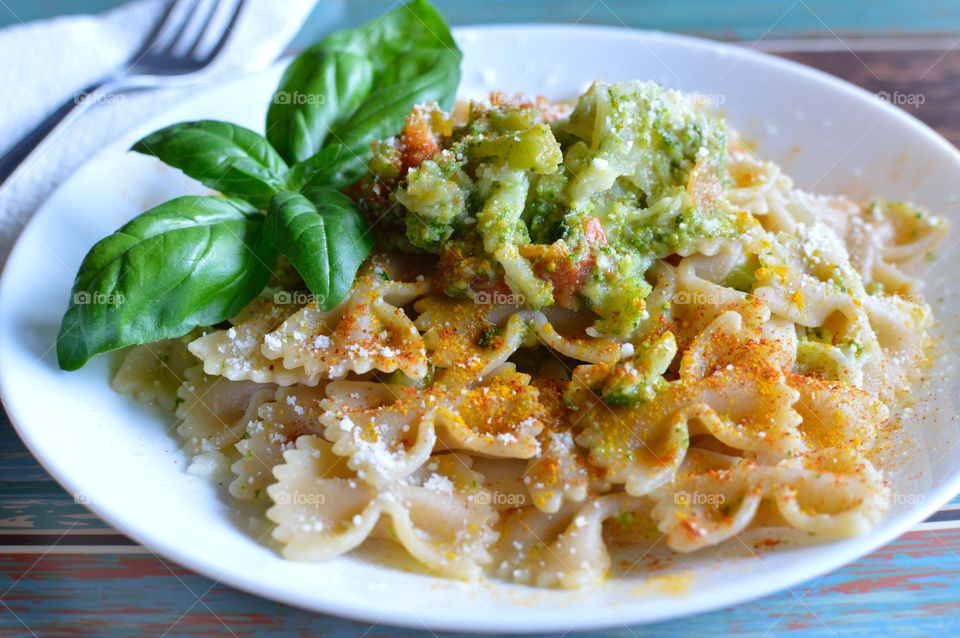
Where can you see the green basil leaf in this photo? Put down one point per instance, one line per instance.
(325, 239)
(315, 90)
(408, 57)
(383, 114)
(340, 164)
(228, 158)
(193, 261)
(414, 26)
(335, 166)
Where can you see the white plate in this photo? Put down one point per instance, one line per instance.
(126, 462)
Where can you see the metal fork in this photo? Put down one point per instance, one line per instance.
(186, 41)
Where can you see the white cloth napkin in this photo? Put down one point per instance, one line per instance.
(50, 61)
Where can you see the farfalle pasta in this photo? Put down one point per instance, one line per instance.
(438, 514)
(582, 328)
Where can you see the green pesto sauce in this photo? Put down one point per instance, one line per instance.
(627, 161)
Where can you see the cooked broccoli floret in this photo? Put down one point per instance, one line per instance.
(435, 196)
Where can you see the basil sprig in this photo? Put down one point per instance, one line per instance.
(196, 261)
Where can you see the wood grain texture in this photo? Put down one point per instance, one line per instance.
(909, 588)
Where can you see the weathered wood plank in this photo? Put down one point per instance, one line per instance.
(29, 498)
(908, 588)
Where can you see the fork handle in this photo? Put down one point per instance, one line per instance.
(43, 134)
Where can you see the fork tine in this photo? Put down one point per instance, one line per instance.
(226, 32)
(177, 14)
(194, 27)
(205, 34)
(162, 24)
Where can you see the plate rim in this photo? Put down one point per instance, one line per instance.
(538, 620)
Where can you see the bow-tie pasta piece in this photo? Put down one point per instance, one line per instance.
(761, 189)
(747, 412)
(322, 509)
(887, 236)
(295, 411)
(560, 473)
(836, 414)
(901, 324)
(712, 498)
(456, 330)
(501, 416)
(589, 349)
(386, 431)
(152, 373)
(706, 286)
(524, 539)
(214, 412)
(563, 549)
(807, 279)
(806, 276)
(748, 338)
(639, 445)
(235, 353)
(366, 332)
(737, 368)
(831, 492)
(733, 337)
(468, 340)
(443, 517)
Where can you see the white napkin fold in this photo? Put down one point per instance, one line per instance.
(49, 61)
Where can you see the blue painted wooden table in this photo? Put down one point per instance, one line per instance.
(65, 573)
